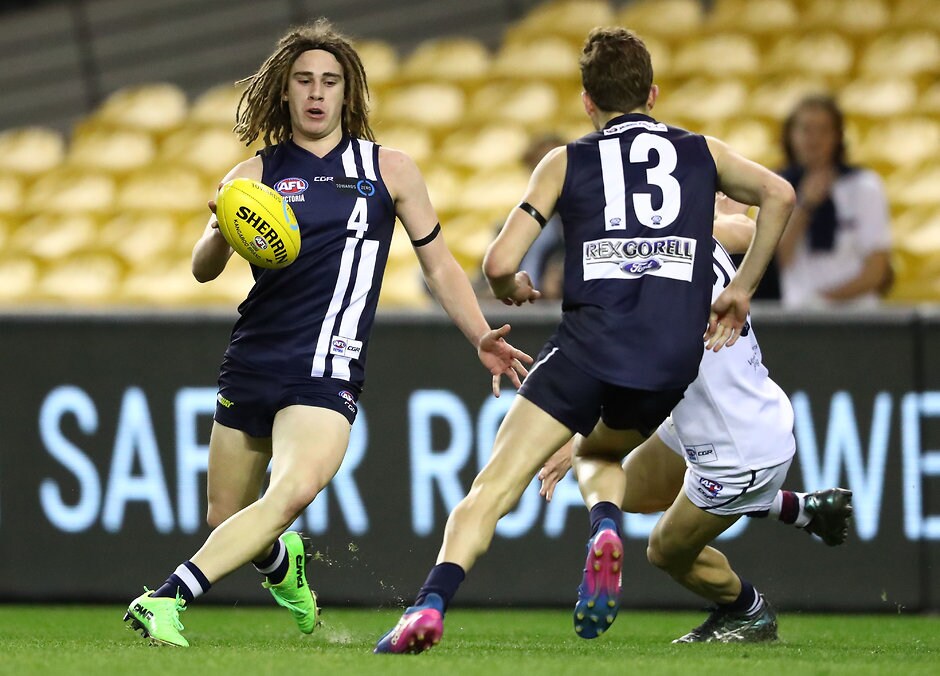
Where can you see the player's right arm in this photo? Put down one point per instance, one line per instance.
(750, 183)
(503, 256)
(211, 252)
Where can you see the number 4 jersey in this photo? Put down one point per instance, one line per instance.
(637, 207)
(314, 317)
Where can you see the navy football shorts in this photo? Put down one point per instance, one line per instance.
(249, 401)
(578, 400)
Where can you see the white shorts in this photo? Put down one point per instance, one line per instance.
(726, 490)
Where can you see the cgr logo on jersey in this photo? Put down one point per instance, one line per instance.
(712, 488)
(292, 189)
(702, 454)
(360, 187)
(345, 347)
(670, 257)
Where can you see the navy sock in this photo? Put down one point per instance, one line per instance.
(275, 564)
(443, 580)
(605, 510)
(187, 581)
(747, 603)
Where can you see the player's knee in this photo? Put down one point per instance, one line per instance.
(218, 512)
(659, 553)
(289, 502)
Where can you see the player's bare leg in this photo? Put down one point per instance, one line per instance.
(600, 476)
(525, 440)
(237, 466)
(679, 546)
(308, 447)
(654, 476)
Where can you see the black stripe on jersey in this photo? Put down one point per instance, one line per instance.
(534, 213)
(427, 240)
(337, 322)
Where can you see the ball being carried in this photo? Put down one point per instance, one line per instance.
(257, 223)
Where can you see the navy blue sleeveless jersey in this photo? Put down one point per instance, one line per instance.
(313, 318)
(637, 207)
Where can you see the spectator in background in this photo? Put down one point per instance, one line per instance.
(836, 247)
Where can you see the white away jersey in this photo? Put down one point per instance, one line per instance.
(733, 416)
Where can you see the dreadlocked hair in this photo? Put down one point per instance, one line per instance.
(262, 112)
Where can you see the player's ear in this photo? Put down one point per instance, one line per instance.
(589, 106)
(653, 95)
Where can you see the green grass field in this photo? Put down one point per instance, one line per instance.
(92, 640)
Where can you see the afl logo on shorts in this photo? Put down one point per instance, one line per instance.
(347, 395)
(291, 186)
(713, 487)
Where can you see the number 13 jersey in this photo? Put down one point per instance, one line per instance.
(313, 318)
(637, 207)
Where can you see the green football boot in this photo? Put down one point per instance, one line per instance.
(724, 627)
(293, 592)
(830, 511)
(157, 619)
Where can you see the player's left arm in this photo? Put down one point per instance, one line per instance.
(749, 183)
(445, 278)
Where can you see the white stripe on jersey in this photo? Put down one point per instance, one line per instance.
(349, 324)
(349, 160)
(615, 208)
(542, 361)
(339, 292)
(366, 149)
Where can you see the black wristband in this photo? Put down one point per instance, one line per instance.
(427, 240)
(534, 213)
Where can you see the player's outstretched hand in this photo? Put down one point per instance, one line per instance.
(554, 470)
(729, 312)
(524, 291)
(502, 359)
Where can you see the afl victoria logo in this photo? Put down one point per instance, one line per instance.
(291, 186)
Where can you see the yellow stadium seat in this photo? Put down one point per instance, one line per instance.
(493, 191)
(403, 288)
(164, 282)
(90, 279)
(496, 145)
(401, 251)
(915, 186)
(525, 103)
(55, 236)
(20, 276)
(444, 187)
(111, 150)
(902, 54)
(929, 101)
(776, 97)
(469, 235)
(164, 188)
(756, 140)
(572, 19)
(754, 16)
(915, 14)
(878, 98)
(436, 105)
(380, 61)
(31, 150)
(11, 195)
(547, 58)
(157, 108)
(855, 17)
(703, 100)
(453, 60)
(212, 151)
(674, 20)
(71, 190)
(413, 140)
(139, 237)
(216, 106)
(899, 141)
(916, 256)
(822, 53)
(722, 55)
